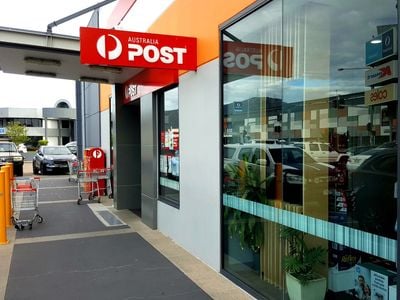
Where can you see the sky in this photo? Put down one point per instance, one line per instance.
(36, 92)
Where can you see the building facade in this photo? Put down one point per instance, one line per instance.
(211, 157)
(54, 124)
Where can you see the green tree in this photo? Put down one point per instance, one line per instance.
(17, 132)
(43, 142)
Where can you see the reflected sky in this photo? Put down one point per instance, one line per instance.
(325, 36)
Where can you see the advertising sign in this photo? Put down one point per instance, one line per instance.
(381, 95)
(136, 49)
(257, 59)
(381, 73)
(381, 47)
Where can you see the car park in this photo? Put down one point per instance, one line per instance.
(373, 198)
(50, 159)
(299, 170)
(10, 154)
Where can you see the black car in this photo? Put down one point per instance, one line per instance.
(252, 168)
(10, 154)
(373, 199)
(49, 159)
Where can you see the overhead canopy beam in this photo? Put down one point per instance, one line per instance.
(77, 14)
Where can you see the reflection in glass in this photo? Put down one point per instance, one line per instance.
(169, 146)
(309, 142)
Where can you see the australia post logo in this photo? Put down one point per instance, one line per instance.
(137, 49)
(257, 59)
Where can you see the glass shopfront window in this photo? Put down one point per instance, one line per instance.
(169, 146)
(309, 95)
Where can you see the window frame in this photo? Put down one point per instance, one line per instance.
(160, 110)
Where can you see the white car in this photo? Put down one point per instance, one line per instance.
(321, 152)
(22, 148)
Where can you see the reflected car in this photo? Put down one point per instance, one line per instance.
(355, 161)
(72, 147)
(10, 154)
(299, 170)
(22, 148)
(321, 152)
(51, 159)
(355, 150)
(373, 196)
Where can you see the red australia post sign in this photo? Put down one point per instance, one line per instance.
(137, 49)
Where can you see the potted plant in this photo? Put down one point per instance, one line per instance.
(245, 183)
(302, 281)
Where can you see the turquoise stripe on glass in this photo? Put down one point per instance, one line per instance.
(364, 241)
(172, 184)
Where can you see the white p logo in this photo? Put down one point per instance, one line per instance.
(104, 52)
(97, 153)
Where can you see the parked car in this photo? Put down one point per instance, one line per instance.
(72, 147)
(9, 153)
(49, 159)
(321, 152)
(373, 193)
(355, 150)
(268, 141)
(298, 169)
(22, 148)
(356, 160)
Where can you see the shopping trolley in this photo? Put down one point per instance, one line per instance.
(74, 166)
(104, 181)
(87, 185)
(25, 197)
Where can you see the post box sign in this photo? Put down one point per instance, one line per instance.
(136, 49)
(381, 95)
(257, 59)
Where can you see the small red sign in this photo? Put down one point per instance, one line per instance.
(136, 49)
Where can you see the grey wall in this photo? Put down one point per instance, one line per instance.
(196, 225)
(91, 96)
(126, 152)
(105, 135)
(59, 113)
(149, 153)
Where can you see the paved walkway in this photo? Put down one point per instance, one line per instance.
(93, 251)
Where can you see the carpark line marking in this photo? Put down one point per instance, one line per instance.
(57, 187)
(57, 201)
(71, 236)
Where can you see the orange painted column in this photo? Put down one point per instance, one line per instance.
(7, 194)
(278, 185)
(3, 230)
(11, 165)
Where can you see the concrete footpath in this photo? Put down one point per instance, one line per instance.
(92, 251)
